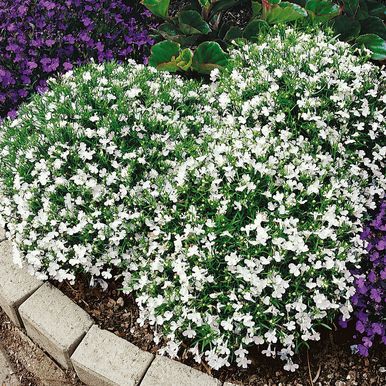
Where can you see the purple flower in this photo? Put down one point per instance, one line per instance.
(360, 327)
(369, 301)
(42, 37)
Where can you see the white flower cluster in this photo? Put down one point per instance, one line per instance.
(231, 209)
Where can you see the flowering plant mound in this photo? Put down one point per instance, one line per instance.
(42, 37)
(369, 301)
(232, 209)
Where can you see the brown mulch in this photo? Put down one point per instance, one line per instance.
(328, 362)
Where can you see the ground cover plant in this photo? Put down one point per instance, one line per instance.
(195, 34)
(369, 299)
(363, 22)
(39, 38)
(232, 209)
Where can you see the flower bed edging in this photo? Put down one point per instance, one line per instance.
(55, 323)
(16, 285)
(51, 318)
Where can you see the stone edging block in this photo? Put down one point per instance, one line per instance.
(167, 372)
(55, 322)
(104, 359)
(66, 332)
(16, 285)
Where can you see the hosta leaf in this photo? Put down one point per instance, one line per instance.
(284, 13)
(373, 25)
(346, 27)
(254, 28)
(163, 56)
(322, 10)
(192, 23)
(208, 56)
(157, 7)
(184, 59)
(375, 44)
(351, 6)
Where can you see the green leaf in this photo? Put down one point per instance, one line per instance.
(192, 23)
(163, 56)
(158, 8)
(256, 8)
(254, 29)
(376, 9)
(346, 27)
(363, 11)
(204, 3)
(322, 11)
(208, 56)
(222, 5)
(375, 44)
(233, 34)
(284, 13)
(351, 7)
(373, 25)
(170, 32)
(184, 59)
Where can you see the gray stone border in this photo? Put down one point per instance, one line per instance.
(68, 334)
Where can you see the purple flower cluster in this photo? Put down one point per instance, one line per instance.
(41, 37)
(369, 300)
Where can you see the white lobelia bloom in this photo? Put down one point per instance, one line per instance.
(233, 219)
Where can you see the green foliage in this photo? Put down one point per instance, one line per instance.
(157, 7)
(208, 56)
(203, 21)
(282, 12)
(321, 10)
(362, 23)
(375, 44)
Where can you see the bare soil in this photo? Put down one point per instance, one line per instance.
(328, 362)
(32, 367)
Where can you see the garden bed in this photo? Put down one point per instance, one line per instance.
(239, 207)
(328, 362)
